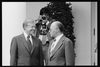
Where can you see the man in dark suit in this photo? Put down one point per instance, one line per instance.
(26, 50)
(60, 51)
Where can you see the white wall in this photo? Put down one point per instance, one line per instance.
(96, 54)
(94, 37)
(13, 15)
(82, 18)
(96, 23)
(33, 9)
(95, 26)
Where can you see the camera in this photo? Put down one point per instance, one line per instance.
(42, 27)
(44, 18)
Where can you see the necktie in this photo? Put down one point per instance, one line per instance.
(52, 46)
(29, 43)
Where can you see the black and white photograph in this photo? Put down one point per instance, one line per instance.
(49, 33)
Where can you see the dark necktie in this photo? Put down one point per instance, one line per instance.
(29, 43)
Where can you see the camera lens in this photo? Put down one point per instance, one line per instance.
(40, 20)
(43, 18)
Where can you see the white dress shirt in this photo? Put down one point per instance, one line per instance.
(55, 42)
(30, 38)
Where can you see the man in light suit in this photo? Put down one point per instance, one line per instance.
(60, 51)
(26, 51)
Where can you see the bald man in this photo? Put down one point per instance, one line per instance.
(60, 51)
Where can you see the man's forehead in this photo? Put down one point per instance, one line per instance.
(53, 25)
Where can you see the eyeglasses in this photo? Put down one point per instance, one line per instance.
(31, 26)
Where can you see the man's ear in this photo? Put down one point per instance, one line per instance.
(25, 27)
(57, 30)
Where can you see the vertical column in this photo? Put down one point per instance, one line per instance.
(13, 15)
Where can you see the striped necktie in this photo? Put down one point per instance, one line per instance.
(52, 46)
(29, 43)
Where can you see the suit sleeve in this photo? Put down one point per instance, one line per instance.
(69, 53)
(13, 52)
(41, 54)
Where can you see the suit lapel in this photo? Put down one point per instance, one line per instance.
(57, 46)
(34, 43)
(24, 42)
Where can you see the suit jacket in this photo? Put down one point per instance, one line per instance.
(22, 56)
(63, 53)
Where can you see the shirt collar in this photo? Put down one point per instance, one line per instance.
(25, 35)
(58, 37)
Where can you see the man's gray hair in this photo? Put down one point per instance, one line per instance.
(25, 23)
